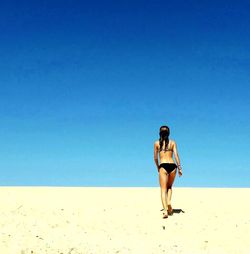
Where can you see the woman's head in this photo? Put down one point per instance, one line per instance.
(164, 132)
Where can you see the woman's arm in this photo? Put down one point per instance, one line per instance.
(156, 155)
(177, 159)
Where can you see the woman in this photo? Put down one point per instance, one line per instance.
(167, 168)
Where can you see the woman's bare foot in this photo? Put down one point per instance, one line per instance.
(165, 214)
(170, 210)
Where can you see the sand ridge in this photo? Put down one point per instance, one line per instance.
(72, 220)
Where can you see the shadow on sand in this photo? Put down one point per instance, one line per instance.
(176, 210)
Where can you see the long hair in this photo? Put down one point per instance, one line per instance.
(164, 134)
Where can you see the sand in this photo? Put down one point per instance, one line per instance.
(70, 220)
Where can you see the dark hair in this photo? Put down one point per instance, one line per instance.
(164, 134)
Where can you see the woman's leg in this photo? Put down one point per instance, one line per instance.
(171, 178)
(163, 179)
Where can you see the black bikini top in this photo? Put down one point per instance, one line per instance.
(165, 150)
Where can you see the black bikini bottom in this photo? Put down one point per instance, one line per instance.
(169, 167)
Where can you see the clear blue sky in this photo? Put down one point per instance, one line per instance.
(85, 87)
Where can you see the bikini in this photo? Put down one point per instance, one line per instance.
(169, 167)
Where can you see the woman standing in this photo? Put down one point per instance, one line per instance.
(167, 168)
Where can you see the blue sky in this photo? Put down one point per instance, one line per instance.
(85, 87)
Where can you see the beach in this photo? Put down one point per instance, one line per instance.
(74, 220)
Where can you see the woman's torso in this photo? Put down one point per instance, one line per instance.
(166, 153)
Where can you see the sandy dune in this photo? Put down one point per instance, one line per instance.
(65, 220)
